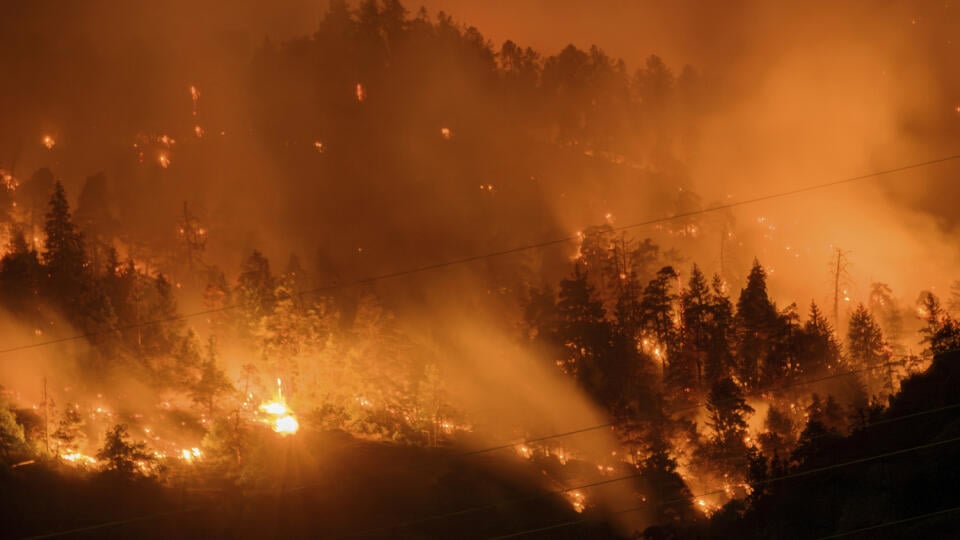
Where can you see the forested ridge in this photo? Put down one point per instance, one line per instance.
(420, 375)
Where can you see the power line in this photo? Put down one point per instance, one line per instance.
(685, 408)
(886, 524)
(109, 524)
(798, 474)
(470, 510)
(503, 252)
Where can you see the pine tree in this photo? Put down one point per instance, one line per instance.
(719, 361)
(213, 381)
(782, 363)
(756, 320)
(64, 257)
(582, 328)
(12, 439)
(885, 309)
(819, 350)
(778, 437)
(727, 413)
(255, 290)
(864, 338)
(20, 275)
(867, 350)
(695, 321)
(122, 456)
(658, 313)
(69, 435)
(941, 332)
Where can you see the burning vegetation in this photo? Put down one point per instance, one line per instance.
(427, 359)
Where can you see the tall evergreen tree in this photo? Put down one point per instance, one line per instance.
(819, 350)
(756, 320)
(695, 321)
(658, 312)
(64, 257)
(864, 338)
(719, 361)
(21, 275)
(255, 290)
(583, 328)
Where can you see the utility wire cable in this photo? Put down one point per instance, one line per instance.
(767, 481)
(473, 509)
(687, 407)
(500, 253)
(886, 524)
(470, 510)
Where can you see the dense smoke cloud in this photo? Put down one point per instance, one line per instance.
(799, 95)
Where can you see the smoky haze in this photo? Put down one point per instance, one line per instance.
(797, 95)
(405, 150)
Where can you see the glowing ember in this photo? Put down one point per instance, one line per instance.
(275, 408)
(163, 159)
(8, 180)
(78, 459)
(286, 425)
(577, 500)
(49, 142)
(361, 93)
(195, 97)
(446, 133)
(191, 454)
(198, 131)
(318, 145)
(283, 421)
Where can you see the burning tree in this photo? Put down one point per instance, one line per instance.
(728, 411)
(11, 434)
(122, 456)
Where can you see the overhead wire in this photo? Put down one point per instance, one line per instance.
(499, 253)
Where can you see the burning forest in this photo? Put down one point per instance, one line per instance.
(364, 270)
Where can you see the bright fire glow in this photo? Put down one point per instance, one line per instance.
(282, 418)
(78, 459)
(49, 142)
(275, 408)
(195, 97)
(578, 500)
(286, 425)
(191, 454)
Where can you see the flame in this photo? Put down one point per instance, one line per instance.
(361, 93)
(286, 425)
(318, 145)
(163, 159)
(283, 422)
(577, 500)
(9, 181)
(78, 458)
(191, 454)
(49, 142)
(195, 97)
(446, 133)
(275, 408)
(198, 131)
